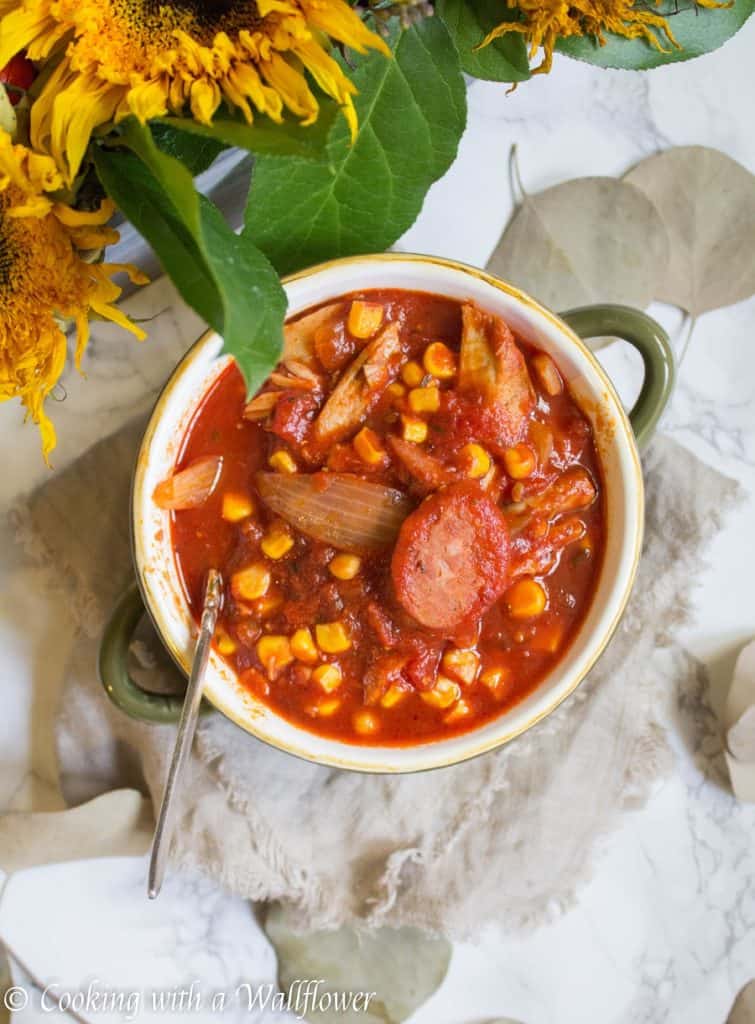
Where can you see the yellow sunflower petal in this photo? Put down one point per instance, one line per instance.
(45, 281)
(34, 403)
(78, 218)
(331, 78)
(21, 27)
(32, 174)
(110, 312)
(77, 110)
(147, 58)
(82, 337)
(291, 86)
(36, 206)
(88, 239)
(135, 275)
(205, 99)
(40, 120)
(245, 80)
(52, 342)
(148, 100)
(340, 21)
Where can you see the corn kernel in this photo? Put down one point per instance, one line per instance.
(461, 710)
(250, 583)
(326, 708)
(547, 374)
(439, 360)
(413, 429)
(424, 399)
(393, 696)
(277, 542)
(332, 637)
(369, 448)
(443, 694)
(266, 606)
(496, 679)
(282, 462)
(396, 390)
(224, 642)
(236, 507)
(366, 723)
(477, 462)
(526, 598)
(275, 653)
(364, 318)
(519, 461)
(345, 567)
(328, 677)
(303, 646)
(462, 665)
(412, 374)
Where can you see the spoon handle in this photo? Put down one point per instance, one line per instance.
(186, 728)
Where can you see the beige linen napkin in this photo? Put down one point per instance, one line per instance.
(506, 837)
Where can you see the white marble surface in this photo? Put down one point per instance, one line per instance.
(665, 932)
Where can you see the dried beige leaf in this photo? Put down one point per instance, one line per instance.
(707, 202)
(401, 966)
(587, 240)
(116, 824)
(740, 739)
(743, 1010)
(738, 725)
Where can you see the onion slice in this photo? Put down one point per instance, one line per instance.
(343, 510)
(190, 487)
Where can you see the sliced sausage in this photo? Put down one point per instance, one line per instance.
(451, 558)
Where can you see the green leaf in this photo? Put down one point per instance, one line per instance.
(220, 274)
(263, 136)
(195, 152)
(697, 29)
(175, 180)
(254, 301)
(412, 112)
(136, 192)
(469, 21)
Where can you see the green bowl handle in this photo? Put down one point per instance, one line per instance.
(650, 340)
(113, 665)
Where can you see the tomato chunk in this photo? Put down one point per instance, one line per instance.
(451, 559)
(19, 73)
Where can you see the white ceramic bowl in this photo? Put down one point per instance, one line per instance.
(154, 559)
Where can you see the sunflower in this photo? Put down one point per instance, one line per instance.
(152, 57)
(44, 278)
(544, 22)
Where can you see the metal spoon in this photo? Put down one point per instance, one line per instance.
(187, 725)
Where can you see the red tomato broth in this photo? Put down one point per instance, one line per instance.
(525, 650)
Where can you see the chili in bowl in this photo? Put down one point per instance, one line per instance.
(428, 519)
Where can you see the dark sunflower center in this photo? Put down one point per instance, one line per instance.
(202, 19)
(203, 11)
(8, 254)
